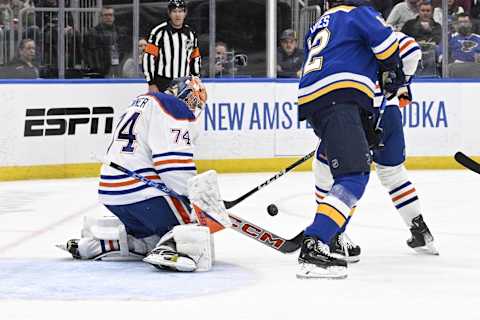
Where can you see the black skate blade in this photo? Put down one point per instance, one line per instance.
(428, 249)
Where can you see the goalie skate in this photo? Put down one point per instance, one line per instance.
(421, 239)
(315, 261)
(342, 247)
(71, 247)
(164, 257)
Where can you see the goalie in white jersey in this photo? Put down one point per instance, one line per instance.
(389, 161)
(155, 139)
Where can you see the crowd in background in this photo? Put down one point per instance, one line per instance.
(104, 50)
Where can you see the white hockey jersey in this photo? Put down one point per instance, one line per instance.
(411, 54)
(155, 138)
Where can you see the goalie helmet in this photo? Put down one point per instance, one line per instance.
(191, 91)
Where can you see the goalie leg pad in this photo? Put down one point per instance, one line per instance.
(104, 238)
(196, 242)
(104, 227)
(184, 248)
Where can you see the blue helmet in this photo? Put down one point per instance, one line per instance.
(357, 3)
(190, 90)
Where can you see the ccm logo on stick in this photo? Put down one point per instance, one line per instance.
(60, 121)
(257, 233)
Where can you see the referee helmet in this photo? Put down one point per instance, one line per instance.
(173, 4)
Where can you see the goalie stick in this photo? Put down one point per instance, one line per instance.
(238, 224)
(230, 204)
(467, 162)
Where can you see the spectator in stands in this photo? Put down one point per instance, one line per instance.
(22, 66)
(223, 67)
(104, 46)
(132, 68)
(402, 12)
(465, 4)
(464, 45)
(383, 6)
(453, 11)
(424, 28)
(289, 56)
(14, 5)
(475, 9)
(46, 31)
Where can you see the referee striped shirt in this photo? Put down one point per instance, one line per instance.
(171, 53)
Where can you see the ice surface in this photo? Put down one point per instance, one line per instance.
(250, 281)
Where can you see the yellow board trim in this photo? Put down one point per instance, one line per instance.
(222, 166)
(332, 213)
(389, 52)
(336, 86)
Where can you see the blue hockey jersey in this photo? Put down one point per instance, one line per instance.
(343, 51)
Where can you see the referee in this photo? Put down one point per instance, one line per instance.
(172, 50)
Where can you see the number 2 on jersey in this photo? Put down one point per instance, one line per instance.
(315, 62)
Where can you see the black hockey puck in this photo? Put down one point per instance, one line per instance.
(272, 210)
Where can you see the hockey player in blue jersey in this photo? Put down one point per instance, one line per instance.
(155, 138)
(346, 50)
(389, 162)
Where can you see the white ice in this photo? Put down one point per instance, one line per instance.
(249, 281)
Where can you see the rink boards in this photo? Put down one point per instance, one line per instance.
(57, 129)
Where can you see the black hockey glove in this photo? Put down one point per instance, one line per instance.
(391, 81)
(374, 137)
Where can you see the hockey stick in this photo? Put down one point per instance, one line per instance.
(381, 111)
(378, 125)
(467, 162)
(230, 204)
(238, 224)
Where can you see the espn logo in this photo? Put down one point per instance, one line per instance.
(60, 121)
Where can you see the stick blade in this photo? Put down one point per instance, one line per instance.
(293, 244)
(467, 162)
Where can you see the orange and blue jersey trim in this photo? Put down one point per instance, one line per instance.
(408, 46)
(124, 184)
(173, 161)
